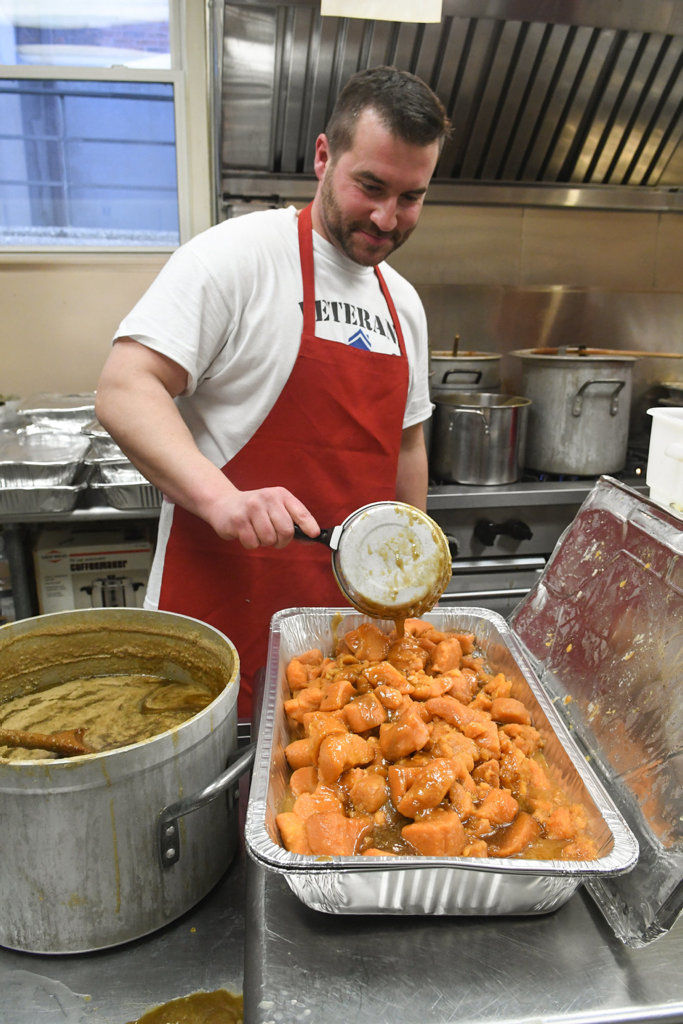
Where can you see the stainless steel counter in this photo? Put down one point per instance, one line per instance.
(561, 968)
(297, 966)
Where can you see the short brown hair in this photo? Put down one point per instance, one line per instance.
(406, 105)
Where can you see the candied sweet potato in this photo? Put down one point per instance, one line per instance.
(415, 727)
(446, 656)
(293, 831)
(386, 673)
(306, 700)
(403, 737)
(340, 751)
(299, 754)
(429, 788)
(322, 799)
(368, 642)
(364, 713)
(303, 780)
(407, 655)
(367, 789)
(523, 830)
(330, 833)
(336, 694)
(302, 669)
(438, 834)
(506, 710)
(498, 807)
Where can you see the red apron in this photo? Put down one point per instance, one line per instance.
(333, 439)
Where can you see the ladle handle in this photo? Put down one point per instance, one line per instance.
(324, 537)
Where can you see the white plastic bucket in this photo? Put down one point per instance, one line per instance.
(665, 458)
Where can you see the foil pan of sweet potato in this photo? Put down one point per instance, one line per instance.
(420, 768)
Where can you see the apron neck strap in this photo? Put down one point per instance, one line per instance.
(305, 229)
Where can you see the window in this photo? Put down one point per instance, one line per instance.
(92, 108)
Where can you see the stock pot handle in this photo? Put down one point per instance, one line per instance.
(614, 397)
(472, 412)
(462, 372)
(168, 833)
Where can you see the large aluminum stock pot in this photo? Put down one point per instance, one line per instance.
(581, 403)
(100, 848)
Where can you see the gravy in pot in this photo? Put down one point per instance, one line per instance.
(112, 710)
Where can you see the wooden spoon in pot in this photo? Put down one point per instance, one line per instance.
(68, 743)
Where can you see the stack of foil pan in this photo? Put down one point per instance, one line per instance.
(40, 470)
(63, 413)
(38, 500)
(128, 496)
(40, 458)
(102, 444)
(117, 482)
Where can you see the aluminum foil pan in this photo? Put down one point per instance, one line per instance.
(36, 500)
(102, 444)
(115, 471)
(426, 885)
(128, 496)
(43, 458)
(68, 413)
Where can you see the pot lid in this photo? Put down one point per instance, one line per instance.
(580, 353)
(444, 354)
(480, 400)
(391, 560)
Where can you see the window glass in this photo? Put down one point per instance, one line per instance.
(87, 157)
(85, 33)
(87, 163)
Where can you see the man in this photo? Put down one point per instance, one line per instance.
(274, 374)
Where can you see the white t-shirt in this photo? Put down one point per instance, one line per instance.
(227, 307)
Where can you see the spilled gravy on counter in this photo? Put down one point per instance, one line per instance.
(112, 710)
(219, 1007)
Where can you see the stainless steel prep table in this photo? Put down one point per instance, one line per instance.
(304, 967)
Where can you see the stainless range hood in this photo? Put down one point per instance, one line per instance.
(566, 102)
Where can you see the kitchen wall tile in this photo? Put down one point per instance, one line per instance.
(669, 259)
(58, 319)
(463, 245)
(586, 248)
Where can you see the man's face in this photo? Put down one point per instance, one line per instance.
(369, 199)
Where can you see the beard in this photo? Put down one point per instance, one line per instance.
(342, 232)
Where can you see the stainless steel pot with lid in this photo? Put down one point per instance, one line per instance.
(579, 416)
(456, 370)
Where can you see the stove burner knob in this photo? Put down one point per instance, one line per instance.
(486, 531)
(517, 529)
(452, 546)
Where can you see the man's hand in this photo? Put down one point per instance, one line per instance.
(261, 518)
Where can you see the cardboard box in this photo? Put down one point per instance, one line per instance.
(90, 570)
(7, 610)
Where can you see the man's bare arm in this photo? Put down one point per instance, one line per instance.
(135, 403)
(412, 477)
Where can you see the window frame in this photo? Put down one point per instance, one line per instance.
(189, 79)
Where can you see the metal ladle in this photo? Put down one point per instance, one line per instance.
(390, 560)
